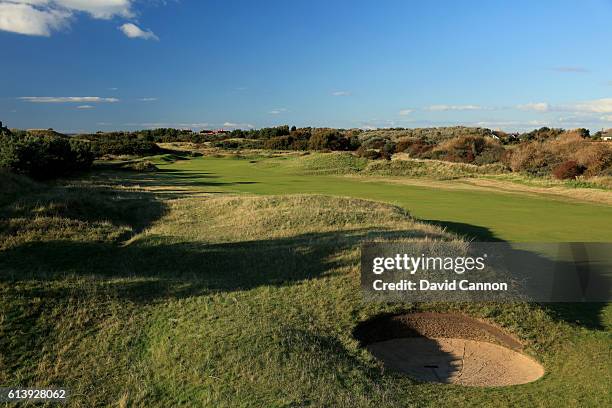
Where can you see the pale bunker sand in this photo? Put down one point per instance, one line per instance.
(450, 349)
(457, 361)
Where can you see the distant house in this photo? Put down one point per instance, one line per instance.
(212, 132)
(607, 135)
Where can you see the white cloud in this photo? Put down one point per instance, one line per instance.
(535, 106)
(606, 118)
(133, 31)
(42, 17)
(441, 108)
(277, 111)
(85, 107)
(67, 99)
(232, 125)
(341, 93)
(99, 8)
(153, 125)
(27, 20)
(603, 105)
(406, 112)
(148, 99)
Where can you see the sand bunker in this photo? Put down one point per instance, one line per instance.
(448, 348)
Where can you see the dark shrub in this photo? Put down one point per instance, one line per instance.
(329, 139)
(374, 142)
(490, 155)
(388, 149)
(416, 148)
(541, 134)
(43, 157)
(462, 149)
(278, 143)
(285, 143)
(368, 153)
(122, 144)
(227, 144)
(568, 170)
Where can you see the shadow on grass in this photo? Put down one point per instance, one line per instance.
(586, 314)
(468, 231)
(156, 269)
(169, 182)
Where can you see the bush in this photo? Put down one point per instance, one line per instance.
(568, 170)
(544, 133)
(388, 149)
(417, 148)
(533, 158)
(227, 144)
(368, 153)
(541, 157)
(144, 166)
(375, 142)
(43, 157)
(490, 155)
(464, 149)
(119, 143)
(286, 143)
(329, 139)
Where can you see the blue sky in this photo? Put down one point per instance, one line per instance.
(85, 65)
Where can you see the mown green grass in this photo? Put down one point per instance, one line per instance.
(482, 214)
(132, 298)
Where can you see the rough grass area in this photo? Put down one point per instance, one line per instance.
(599, 182)
(328, 163)
(434, 169)
(13, 185)
(347, 163)
(230, 301)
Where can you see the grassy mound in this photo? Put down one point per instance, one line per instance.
(347, 163)
(33, 214)
(328, 163)
(142, 165)
(429, 168)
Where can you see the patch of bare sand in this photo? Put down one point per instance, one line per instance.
(457, 361)
(448, 348)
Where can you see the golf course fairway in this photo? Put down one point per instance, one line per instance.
(485, 215)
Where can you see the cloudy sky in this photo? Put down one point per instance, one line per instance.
(84, 65)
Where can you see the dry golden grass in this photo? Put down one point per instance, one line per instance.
(431, 169)
(595, 156)
(230, 218)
